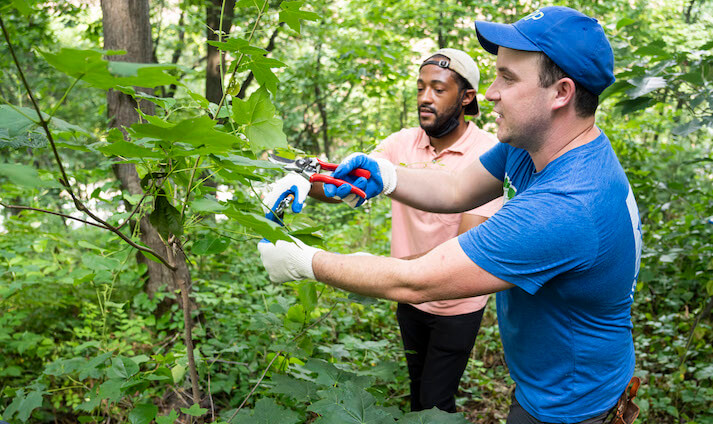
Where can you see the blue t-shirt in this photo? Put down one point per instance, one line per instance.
(569, 239)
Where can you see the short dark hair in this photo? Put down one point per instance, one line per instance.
(585, 102)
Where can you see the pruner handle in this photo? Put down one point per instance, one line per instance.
(337, 182)
(359, 172)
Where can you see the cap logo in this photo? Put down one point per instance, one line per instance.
(537, 14)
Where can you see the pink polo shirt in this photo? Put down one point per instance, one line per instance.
(414, 231)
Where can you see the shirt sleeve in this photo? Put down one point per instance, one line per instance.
(495, 159)
(533, 239)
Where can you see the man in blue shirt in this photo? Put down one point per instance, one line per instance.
(562, 254)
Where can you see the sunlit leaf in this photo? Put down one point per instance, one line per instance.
(291, 14)
(645, 85)
(262, 127)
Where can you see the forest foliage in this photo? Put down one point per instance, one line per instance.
(84, 335)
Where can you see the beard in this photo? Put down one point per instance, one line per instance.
(444, 123)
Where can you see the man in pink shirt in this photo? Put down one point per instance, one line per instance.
(438, 336)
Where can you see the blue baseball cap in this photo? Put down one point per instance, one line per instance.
(573, 40)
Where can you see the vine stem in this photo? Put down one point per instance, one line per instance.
(64, 180)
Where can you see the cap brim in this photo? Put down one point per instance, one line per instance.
(492, 35)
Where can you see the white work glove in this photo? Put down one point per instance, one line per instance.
(292, 183)
(285, 261)
(382, 179)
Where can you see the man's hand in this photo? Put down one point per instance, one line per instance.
(383, 178)
(291, 183)
(285, 261)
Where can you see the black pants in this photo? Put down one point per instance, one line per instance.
(518, 415)
(437, 350)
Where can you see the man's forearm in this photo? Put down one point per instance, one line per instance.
(375, 276)
(445, 192)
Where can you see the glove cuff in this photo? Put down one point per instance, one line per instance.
(303, 263)
(388, 175)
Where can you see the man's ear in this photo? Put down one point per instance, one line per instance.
(564, 95)
(468, 97)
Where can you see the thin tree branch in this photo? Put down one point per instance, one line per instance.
(65, 180)
(27, 208)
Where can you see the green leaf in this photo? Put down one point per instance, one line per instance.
(24, 405)
(329, 375)
(349, 404)
(167, 419)
(209, 245)
(207, 204)
(129, 150)
(19, 126)
(624, 22)
(644, 85)
(688, 128)
(633, 105)
(299, 390)
(307, 293)
(195, 410)
(198, 132)
(143, 413)
(25, 176)
(110, 390)
(261, 67)
(22, 7)
(166, 218)
(238, 45)
(258, 223)
(433, 415)
(267, 412)
(262, 128)
(122, 367)
(291, 14)
(91, 67)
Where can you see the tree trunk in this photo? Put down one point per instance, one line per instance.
(127, 27)
(213, 87)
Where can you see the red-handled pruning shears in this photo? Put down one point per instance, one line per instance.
(310, 168)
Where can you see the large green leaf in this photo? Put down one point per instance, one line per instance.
(349, 404)
(644, 85)
(262, 127)
(122, 367)
(25, 176)
(267, 412)
(19, 127)
(299, 390)
(210, 245)
(24, 405)
(166, 218)
(258, 223)
(143, 413)
(91, 67)
(199, 132)
(291, 14)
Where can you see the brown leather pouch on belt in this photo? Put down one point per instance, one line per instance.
(626, 410)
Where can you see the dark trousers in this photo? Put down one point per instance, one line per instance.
(518, 415)
(437, 350)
